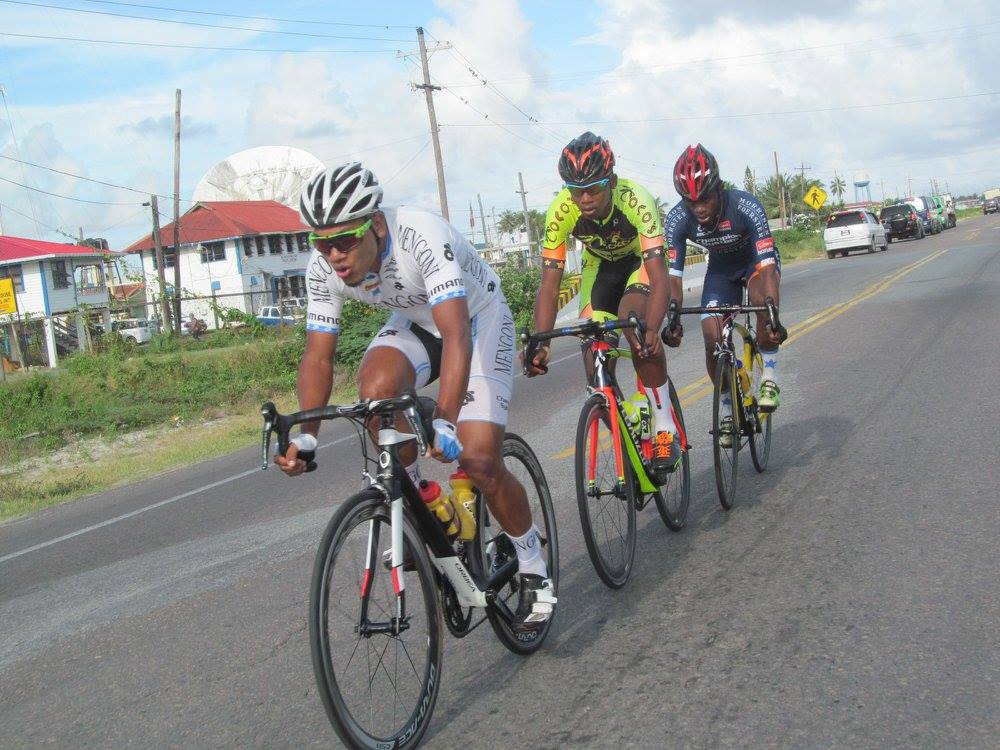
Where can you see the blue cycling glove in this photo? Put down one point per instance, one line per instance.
(445, 439)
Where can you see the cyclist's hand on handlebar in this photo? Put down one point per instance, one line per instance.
(446, 447)
(647, 346)
(673, 338)
(539, 362)
(292, 463)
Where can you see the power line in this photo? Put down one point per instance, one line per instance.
(199, 46)
(38, 223)
(684, 118)
(67, 197)
(407, 163)
(201, 24)
(249, 18)
(81, 177)
(649, 69)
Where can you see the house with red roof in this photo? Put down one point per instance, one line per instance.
(52, 280)
(245, 253)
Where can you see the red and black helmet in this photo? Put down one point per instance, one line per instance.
(586, 159)
(696, 173)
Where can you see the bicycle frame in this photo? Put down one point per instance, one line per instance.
(604, 383)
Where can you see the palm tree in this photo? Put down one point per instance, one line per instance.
(838, 187)
(749, 184)
(662, 207)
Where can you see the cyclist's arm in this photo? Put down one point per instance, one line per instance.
(316, 374)
(659, 281)
(559, 221)
(452, 320)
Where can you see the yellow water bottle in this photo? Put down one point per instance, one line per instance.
(437, 502)
(463, 500)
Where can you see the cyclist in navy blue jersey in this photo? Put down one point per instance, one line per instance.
(732, 227)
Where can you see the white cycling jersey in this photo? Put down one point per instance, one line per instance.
(425, 262)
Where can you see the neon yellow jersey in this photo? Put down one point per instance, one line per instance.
(633, 226)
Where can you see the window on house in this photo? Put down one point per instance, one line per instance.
(169, 256)
(297, 285)
(247, 246)
(303, 241)
(60, 276)
(15, 274)
(213, 251)
(259, 242)
(289, 243)
(274, 244)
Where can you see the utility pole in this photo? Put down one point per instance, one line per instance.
(781, 189)
(428, 89)
(160, 272)
(802, 181)
(883, 190)
(177, 211)
(527, 219)
(482, 218)
(909, 187)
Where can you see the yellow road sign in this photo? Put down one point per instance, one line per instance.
(815, 198)
(8, 302)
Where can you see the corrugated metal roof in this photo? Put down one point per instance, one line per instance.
(219, 220)
(19, 249)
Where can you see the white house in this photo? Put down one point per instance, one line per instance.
(52, 281)
(243, 253)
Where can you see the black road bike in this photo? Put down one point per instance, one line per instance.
(385, 572)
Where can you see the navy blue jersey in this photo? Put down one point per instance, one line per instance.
(740, 237)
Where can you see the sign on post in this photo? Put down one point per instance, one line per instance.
(815, 198)
(8, 302)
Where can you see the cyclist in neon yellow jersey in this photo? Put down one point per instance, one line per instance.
(624, 269)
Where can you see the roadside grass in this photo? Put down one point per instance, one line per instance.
(967, 213)
(87, 469)
(798, 244)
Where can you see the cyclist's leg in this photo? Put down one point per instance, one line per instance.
(653, 373)
(605, 297)
(400, 357)
(760, 286)
(723, 286)
(481, 426)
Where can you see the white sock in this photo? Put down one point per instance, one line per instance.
(529, 552)
(770, 364)
(663, 418)
(414, 471)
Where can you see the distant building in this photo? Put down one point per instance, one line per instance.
(52, 281)
(246, 253)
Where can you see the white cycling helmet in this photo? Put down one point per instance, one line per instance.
(333, 196)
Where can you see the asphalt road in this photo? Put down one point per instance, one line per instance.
(850, 599)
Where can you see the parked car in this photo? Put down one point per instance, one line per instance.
(923, 208)
(991, 206)
(270, 315)
(901, 221)
(853, 230)
(132, 330)
(295, 306)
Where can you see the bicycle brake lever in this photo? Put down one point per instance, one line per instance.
(418, 429)
(268, 412)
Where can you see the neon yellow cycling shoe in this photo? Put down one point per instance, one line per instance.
(770, 396)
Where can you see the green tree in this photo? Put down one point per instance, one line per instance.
(767, 194)
(838, 187)
(749, 184)
(519, 288)
(662, 207)
(512, 222)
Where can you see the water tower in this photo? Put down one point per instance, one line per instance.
(861, 191)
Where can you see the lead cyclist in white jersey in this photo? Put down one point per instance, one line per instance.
(449, 320)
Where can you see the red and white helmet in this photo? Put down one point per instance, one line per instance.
(696, 173)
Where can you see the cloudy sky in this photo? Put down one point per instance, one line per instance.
(869, 86)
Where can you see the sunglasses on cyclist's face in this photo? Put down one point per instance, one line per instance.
(343, 242)
(593, 188)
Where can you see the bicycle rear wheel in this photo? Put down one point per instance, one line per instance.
(495, 547)
(760, 442)
(607, 506)
(378, 688)
(727, 460)
(672, 498)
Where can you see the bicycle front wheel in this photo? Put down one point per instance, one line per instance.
(377, 682)
(727, 458)
(607, 505)
(673, 497)
(760, 442)
(496, 548)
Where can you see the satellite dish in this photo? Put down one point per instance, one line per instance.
(861, 179)
(266, 173)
